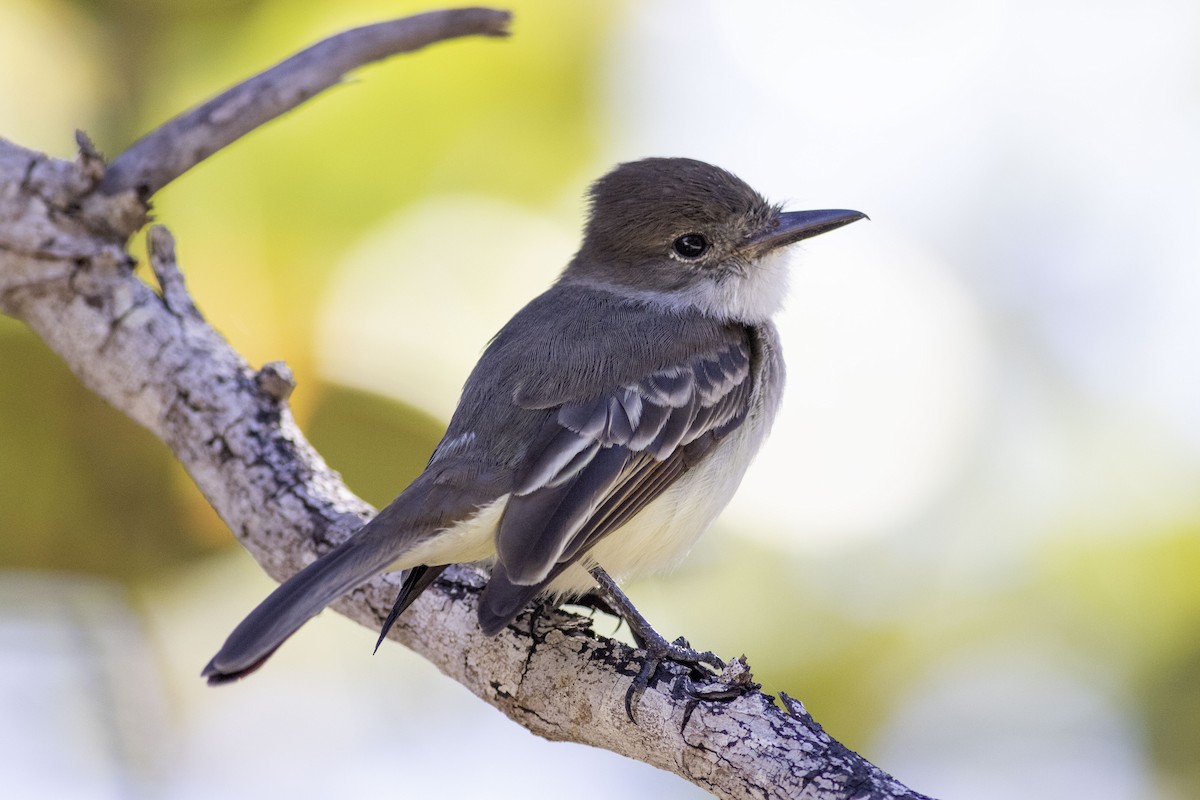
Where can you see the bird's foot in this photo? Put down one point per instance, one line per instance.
(657, 651)
(703, 665)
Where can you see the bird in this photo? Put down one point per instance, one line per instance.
(605, 425)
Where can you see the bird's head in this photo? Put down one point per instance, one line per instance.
(684, 234)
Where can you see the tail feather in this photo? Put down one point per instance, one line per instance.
(416, 581)
(293, 603)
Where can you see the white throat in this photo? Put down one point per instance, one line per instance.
(753, 298)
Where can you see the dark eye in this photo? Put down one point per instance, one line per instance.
(691, 245)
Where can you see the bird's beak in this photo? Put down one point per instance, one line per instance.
(796, 225)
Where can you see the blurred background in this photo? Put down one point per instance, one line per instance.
(972, 547)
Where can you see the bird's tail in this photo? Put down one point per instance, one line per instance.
(295, 602)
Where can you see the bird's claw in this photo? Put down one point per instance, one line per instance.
(695, 657)
(658, 650)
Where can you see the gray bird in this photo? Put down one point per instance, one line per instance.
(605, 426)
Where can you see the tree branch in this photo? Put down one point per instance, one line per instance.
(64, 271)
(180, 144)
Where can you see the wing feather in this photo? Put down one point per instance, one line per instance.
(602, 459)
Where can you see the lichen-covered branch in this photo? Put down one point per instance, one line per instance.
(64, 271)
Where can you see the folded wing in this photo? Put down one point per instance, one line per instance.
(600, 460)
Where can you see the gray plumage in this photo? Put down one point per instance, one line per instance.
(608, 422)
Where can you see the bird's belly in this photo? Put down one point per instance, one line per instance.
(655, 539)
(663, 532)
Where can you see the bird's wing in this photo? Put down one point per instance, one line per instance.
(598, 461)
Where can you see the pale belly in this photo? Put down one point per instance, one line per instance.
(659, 536)
(656, 539)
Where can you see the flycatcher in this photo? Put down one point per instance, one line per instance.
(606, 425)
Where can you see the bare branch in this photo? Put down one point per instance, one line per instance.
(179, 144)
(64, 272)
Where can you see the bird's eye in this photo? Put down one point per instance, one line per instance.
(691, 245)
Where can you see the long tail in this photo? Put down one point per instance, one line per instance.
(294, 603)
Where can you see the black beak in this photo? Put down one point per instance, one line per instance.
(796, 225)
